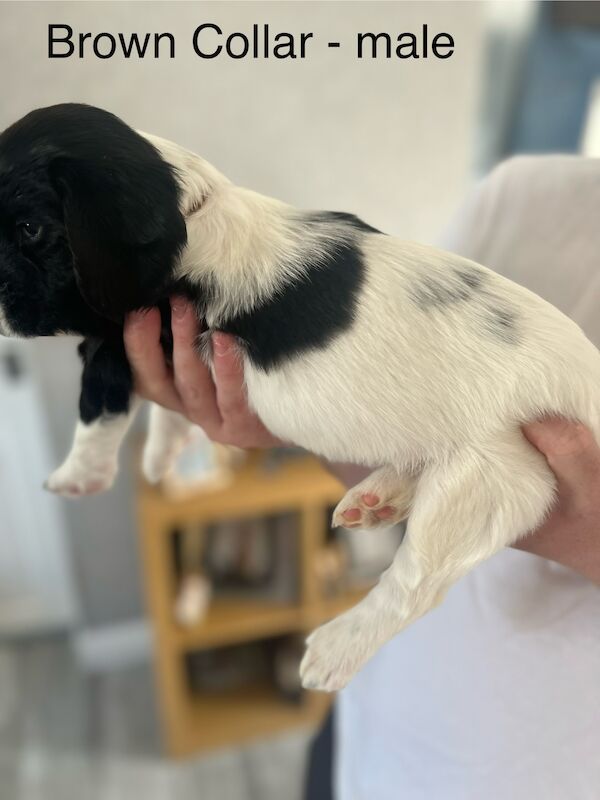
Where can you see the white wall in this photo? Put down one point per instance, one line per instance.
(389, 140)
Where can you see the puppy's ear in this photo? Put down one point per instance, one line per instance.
(122, 218)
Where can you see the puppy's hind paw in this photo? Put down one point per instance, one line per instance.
(369, 510)
(382, 499)
(72, 482)
(158, 461)
(335, 653)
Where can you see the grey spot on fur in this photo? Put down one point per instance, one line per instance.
(470, 276)
(455, 286)
(430, 292)
(502, 323)
(462, 284)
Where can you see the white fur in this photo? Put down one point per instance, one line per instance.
(432, 397)
(5, 329)
(92, 462)
(168, 434)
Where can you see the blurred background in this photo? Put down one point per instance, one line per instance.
(149, 639)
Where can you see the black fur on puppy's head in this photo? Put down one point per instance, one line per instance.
(90, 226)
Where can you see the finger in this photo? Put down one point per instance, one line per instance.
(571, 451)
(145, 355)
(193, 380)
(229, 379)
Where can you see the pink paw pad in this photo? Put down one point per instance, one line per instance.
(95, 487)
(352, 514)
(370, 500)
(385, 512)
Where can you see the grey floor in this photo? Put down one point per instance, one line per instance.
(67, 736)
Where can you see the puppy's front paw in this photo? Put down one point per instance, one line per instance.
(75, 480)
(335, 653)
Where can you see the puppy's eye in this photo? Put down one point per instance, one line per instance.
(29, 231)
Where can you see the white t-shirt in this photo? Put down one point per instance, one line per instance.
(495, 695)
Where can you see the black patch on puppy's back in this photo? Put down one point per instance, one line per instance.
(304, 314)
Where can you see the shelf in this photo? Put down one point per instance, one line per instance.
(192, 723)
(234, 621)
(252, 712)
(255, 490)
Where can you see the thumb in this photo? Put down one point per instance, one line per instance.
(571, 452)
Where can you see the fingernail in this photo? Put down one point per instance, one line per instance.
(178, 307)
(220, 344)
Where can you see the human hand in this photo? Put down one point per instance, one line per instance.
(571, 534)
(218, 406)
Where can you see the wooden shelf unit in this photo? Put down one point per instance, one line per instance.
(192, 722)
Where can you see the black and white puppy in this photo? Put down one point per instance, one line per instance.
(357, 346)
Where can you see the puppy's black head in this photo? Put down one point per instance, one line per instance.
(90, 225)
